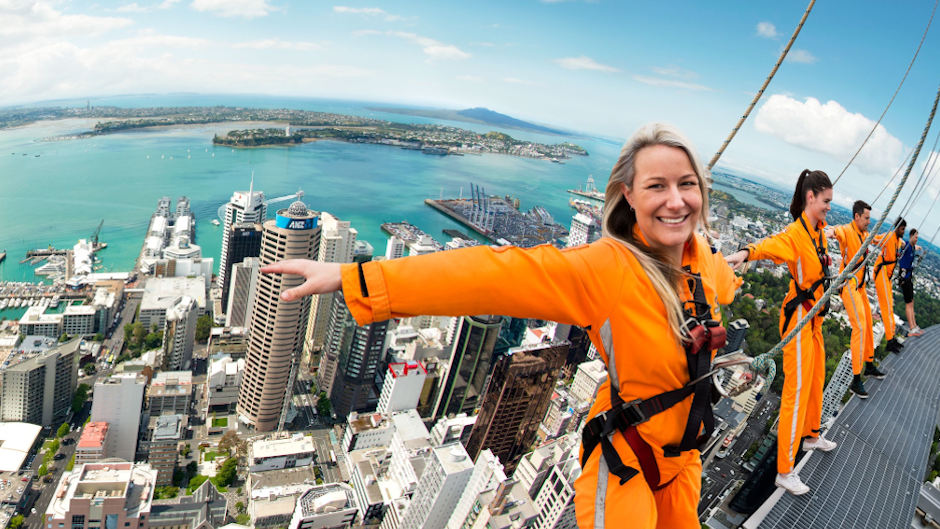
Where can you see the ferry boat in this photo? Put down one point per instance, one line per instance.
(3, 255)
(215, 222)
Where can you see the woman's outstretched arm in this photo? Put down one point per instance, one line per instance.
(575, 286)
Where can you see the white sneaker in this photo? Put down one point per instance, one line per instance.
(916, 331)
(792, 483)
(818, 443)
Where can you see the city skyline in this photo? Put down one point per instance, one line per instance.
(596, 67)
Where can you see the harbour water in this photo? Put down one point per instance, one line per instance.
(56, 192)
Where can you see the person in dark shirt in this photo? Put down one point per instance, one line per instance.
(906, 281)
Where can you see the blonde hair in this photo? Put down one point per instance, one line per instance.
(620, 219)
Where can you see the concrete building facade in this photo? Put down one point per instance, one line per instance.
(243, 207)
(38, 388)
(118, 401)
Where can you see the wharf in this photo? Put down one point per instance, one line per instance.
(457, 234)
(595, 195)
(459, 218)
(409, 233)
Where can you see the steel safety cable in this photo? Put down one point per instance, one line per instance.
(763, 87)
(923, 181)
(850, 267)
(898, 89)
(895, 175)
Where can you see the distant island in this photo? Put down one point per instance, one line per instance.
(300, 126)
(480, 115)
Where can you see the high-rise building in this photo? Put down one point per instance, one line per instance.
(588, 379)
(277, 326)
(515, 402)
(337, 244)
(38, 387)
(358, 352)
(487, 475)
(244, 279)
(403, 385)
(471, 358)
(584, 230)
(180, 335)
(554, 501)
(118, 401)
(443, 481)
(163, 293)
(166, 432)
(244, 240)
(243, 207)
(221, 387)
(170, 393)
(328, 506)
(106, 495)
(395, 248)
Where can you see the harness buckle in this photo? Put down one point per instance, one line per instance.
(629, 414)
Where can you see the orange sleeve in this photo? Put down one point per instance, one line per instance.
(840, 233)
(778, 248)
(726, 282)
(575, 286)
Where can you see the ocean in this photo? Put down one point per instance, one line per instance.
(56, 192)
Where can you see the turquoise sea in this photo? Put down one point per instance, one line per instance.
(55, 192)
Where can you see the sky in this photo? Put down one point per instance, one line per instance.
(601, 67)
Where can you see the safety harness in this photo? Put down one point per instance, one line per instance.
(885, 262)
(861, 263)
(806, 298)
(704, 336)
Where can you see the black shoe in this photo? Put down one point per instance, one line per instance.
(872, 371)
(893, 346)
(858, 388)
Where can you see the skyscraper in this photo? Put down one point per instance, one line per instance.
(242, 240)
(516, 400)
(118, 401)
(470, 362)
(337, 244)
(242, 207)
(38, 388)
(180, 334)
(243, 280)
(277, 326)
(584, 230)
(358, 352)
(442, 483)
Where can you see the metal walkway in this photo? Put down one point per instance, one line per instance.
(873, 478)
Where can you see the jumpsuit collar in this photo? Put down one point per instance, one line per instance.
(689, 249)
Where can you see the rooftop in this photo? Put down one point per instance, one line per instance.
(280, 447)
(327, 498)
(168, 427)
(161, 293)
(131, 481)
(402, 369)
(16, 439)
(93, 435)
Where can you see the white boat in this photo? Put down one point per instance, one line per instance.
(215, 222)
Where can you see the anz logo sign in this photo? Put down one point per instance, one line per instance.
(295, 224)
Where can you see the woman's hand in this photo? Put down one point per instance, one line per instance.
(737, 258)
(322, 278)
(829, 231)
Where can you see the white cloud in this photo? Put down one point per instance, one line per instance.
(133, 7)
(584, 63)
(470, 78)
(277, 44)
(432, 48)
(166, 4)
(801, 56)
(675, 71)
(36, 19)
(234, 8)
(670, 83)
(368, 11)
(767, 30)
(829, 129)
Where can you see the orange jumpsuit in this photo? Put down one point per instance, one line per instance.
(597, 286)
(884, 269)
(855, 298)
(804, 357)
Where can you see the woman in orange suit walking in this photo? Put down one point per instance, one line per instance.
(650, 280)
(802, 246)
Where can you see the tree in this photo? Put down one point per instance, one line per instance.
(226, 474)
(186, 450)
(191, 468)
(81, 395)
(153, 340)
(239, 507)
(71, 464)
(230, 441)
(63, 429)
(195, 482)
(323, 405)
(16, 521)
(98, 337)
(43, 470)
(64, 338)
(203, 328)
(243, 519)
